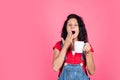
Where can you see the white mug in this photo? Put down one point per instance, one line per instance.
(78, 46)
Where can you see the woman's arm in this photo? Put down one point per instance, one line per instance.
(89, 59)
(59, 56)
(90, 63)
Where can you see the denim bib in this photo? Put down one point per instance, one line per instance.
(73, 72)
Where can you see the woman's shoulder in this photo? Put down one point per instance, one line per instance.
(92, 50)
(57, 45)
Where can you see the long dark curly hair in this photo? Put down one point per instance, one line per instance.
(82, 36)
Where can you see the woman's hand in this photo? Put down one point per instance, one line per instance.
(87, 48)
(68, 41)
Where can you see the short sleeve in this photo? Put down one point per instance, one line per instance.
(91, 48)
(57, 45)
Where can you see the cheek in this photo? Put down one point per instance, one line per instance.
(68, 28)
(77, 33)
(77, 30)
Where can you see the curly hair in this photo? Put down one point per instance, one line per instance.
(82, 36)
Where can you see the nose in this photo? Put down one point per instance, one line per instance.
(72, 27)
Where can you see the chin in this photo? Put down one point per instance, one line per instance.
(75, 38)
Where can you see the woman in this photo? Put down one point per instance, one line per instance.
(73, 67)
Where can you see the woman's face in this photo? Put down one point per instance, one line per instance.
(72, 25)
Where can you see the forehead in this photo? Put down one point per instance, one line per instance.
(72, 20)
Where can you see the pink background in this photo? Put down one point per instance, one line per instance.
(29, 30)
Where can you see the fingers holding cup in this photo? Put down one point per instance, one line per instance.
(87, 48)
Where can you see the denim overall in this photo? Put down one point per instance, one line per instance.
(73, 72)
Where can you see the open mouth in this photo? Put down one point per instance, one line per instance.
(73, 32)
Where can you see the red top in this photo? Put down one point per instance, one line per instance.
(73, 59)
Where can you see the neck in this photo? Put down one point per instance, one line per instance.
(75, 39)
(72, 45)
